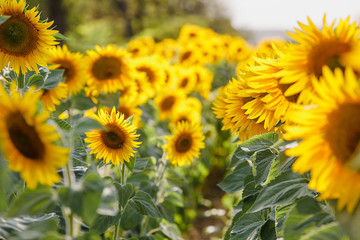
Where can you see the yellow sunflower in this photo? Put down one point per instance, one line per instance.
(184, 144)
(204, 79)
(116, 143)
(330, 133)
(314, 48)
(166, 48)
(185, 113)
(52, 97)
(74, 73)
(140, 47)
(24, 39)
(167, 102)
(27, 142)
(107, 69)
(152, 67)
(190, 55)
(186, 79)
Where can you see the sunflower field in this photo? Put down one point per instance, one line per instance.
(202, 136)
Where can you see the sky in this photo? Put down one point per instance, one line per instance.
(284, 14)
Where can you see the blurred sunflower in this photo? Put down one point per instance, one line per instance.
(107, 69)
(190, 55)
(331, 46)
(152, 67)
(330, 133)
(52, 97)
(167, 102)
(185, 113)
(185, 80)
(184, 144)
(166, 48)
(74, 70)
(24, 39)
(204, 79)
(116, 143)
(28, 143)
(140, 47)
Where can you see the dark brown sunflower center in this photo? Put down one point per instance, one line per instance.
(113, 138)
(18, 36)
(149, 73)
(24, 137)
(326, 53)
(184, 82)
(167, 103)
(69, 68)
(106, 68)
(292, 98)
(183, 143)
(185, 56)
(344, 131)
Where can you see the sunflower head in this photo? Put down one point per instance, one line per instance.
(330, 133)
(115, 143)
(24, 39)
(185, 143)
(28, 142)
(167, 102)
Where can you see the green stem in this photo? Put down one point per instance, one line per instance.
(122, 181)
(21, 80)
(122, 166)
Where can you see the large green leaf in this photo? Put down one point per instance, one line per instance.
(330, 231)
(53, 78)
(304, 217)
(284, 189)
(124, 192)
(144, 205)
(36, 80)
(38, 231)
(102, 222)
(32, 202)
(130, 217)
(247, 227)
(171, 231)
(234, 181)
(266, 166)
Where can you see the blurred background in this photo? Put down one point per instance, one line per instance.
(90, 22)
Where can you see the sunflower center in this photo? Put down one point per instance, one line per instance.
(185, 56)
(149, 73)
(18, 36)
(184, 82)
(106, 68)
(68, 66)
(114, 138)
(125, 111)
(24, 137)
(168, 103)
(326, 53)
(183, 143)
(344, 131)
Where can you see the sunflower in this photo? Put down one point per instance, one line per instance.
(185, 113)
(331, 46)
(72, 63)
(186, 79)
(166, 48)
(184, 144)
(152, 67)
(204, 79)
(167, 102)
(330, 133)
(140, 47)
(116, 143)
(107, 69)
(242, 110)
(24, 39)
(52, 97)
(190, 55)
(28, 143)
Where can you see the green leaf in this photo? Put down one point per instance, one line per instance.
(86, 124)
(110, 100)
(246, 149)
(284, 189)
(330, 231)
(124, 193)
(82, 102)
(235, 180)
(32, 202)
(38, 230)
(304, 217)
(144, 205)
(268, 231)
(85, 199)
(130, 217)
(265, 161)
(171, 231)
(109, 204)
(53, 78)
(36, 80)
(102, 222)
(61, 123)
(3, 18)
(247, 227)
(140, 164)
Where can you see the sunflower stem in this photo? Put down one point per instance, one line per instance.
(122, 181)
